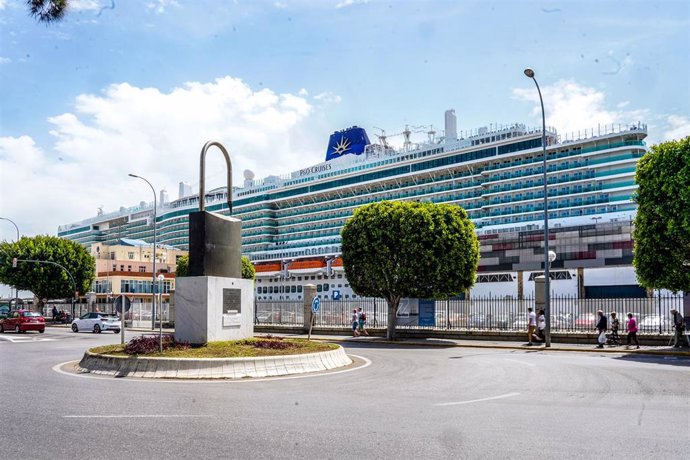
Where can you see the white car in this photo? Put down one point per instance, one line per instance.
(96, 322)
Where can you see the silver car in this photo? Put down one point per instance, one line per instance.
(96, 322)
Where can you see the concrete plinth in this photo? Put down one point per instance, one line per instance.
(211, 308)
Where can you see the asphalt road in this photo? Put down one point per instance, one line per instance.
(409, 403)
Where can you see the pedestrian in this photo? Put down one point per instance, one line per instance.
(632, 331)
(541, 327)
(55, 313)
(531, 325)
(355, 323)
(615, 325)
(601, 329)
(362, 320)
(679, 325)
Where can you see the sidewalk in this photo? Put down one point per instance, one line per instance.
(587, 348)
(434, 342)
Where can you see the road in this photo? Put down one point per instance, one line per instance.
(410, 402)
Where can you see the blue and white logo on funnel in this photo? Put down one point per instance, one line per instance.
(348, 141)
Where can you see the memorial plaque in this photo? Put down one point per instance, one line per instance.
(232, 301)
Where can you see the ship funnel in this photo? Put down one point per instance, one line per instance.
(451, 126)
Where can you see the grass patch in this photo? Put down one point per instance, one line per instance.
(254, 347)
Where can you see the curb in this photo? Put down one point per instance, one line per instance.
(212, 368)
(685, 354)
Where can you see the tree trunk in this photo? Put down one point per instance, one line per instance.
(392, 314)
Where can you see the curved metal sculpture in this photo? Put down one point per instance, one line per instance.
(202, 174)
(215, 241)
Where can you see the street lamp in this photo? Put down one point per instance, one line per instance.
(547, 277)
(153, 278)
(16, 289)
(160, 309)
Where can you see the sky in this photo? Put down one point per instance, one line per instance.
(129, 86)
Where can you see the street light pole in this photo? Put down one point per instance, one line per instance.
(16, 289)
(160, 308)
(547, 277)
(153, 278)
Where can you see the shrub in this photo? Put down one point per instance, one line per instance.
(270, 342)
(149, 344)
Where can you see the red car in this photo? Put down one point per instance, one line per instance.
(22, 321)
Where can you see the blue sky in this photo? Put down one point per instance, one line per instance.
(139, 86)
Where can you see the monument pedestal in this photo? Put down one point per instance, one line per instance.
(212, 308)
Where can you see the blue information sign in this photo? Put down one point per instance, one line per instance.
(315, 305)
(427, 313)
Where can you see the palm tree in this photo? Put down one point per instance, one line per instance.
(47, 10)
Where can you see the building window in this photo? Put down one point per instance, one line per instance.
(142, 269)
(114, 267)
(122, 268)
(129, 268)
(130, 255)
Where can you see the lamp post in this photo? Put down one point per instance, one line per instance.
(153, 278)
(16, 290)
(160, 310)
(547, 277)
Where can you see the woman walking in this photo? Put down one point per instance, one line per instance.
(632, 331)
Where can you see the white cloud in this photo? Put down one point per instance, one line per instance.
(77, 5)
(157, 135)
(347, 3)
(303, 92)
(4, 60)
(280, 5)
(571, 107)
(159, 6)
(678, 128)
(328, 97)
(2, 4)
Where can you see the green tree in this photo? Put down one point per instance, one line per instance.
(248, 271)
(662, 224)
(182, 268)
(46, 280)
(47, 10)
(406, 249)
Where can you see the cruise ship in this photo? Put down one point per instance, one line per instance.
(291, 224)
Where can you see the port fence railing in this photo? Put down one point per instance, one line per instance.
(139, 314)
(568, 314)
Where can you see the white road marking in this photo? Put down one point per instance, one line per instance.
(57, 368)
(135, 416)
(24, 339)
(508, 395)
(520, 362)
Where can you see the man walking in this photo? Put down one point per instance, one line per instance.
(679, 326)
(601, 329)
(531, 325)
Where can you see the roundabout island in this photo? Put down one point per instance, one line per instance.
(241, 359)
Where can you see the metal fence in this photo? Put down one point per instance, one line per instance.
(139, 313)
(568, 314)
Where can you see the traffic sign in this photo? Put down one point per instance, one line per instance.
(315, 305)
(336, 295)
(120, 300)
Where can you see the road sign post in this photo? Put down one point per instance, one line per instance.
(122, 305)
(315, 307)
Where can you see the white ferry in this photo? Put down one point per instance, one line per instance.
(291, 224)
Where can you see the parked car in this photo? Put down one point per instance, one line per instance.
(502, 321)
(477, 321)
(4, 311)
(96, 322)
(586, 321)
(520, 322)
(22, 321)
(652, 323)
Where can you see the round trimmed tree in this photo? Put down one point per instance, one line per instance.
(662, 223)
(399, 249)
